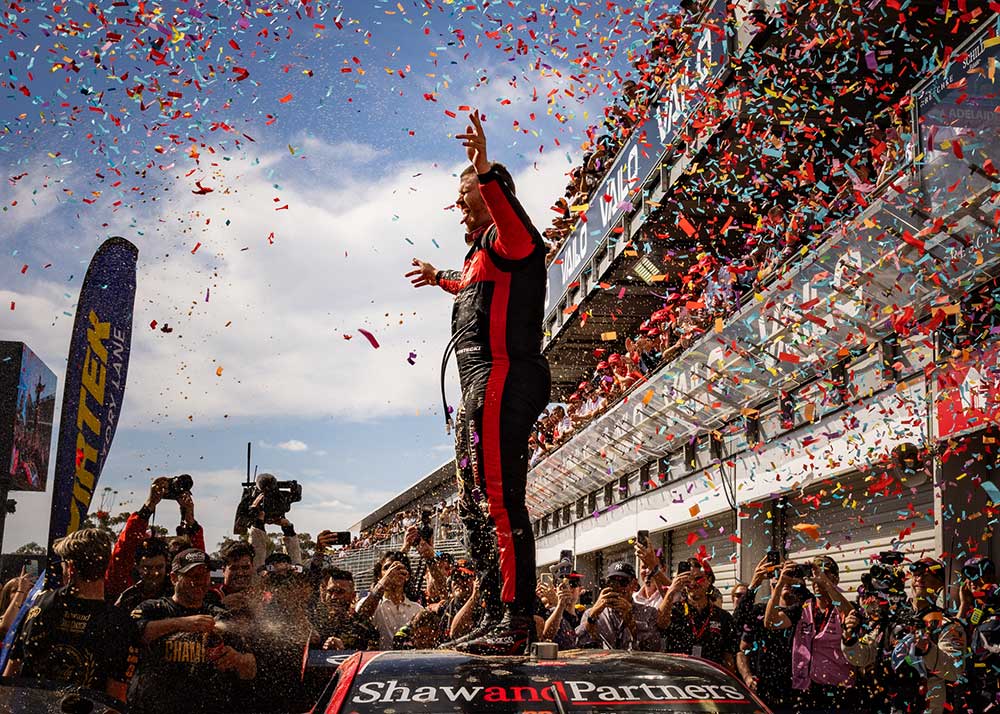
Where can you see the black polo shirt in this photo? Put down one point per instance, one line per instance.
(709, 633)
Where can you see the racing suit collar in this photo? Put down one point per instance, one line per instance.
(472, 239)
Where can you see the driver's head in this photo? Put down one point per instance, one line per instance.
(338, 588)
(85, 554)
(151, 562)
(237, 571)
(470, 201)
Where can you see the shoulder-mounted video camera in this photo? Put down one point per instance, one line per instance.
(268, 495)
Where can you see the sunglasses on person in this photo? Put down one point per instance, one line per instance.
(925, 569)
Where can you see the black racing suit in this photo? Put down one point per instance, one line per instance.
(497, 329)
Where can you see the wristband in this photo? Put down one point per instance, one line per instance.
(654, 572)
(437, 276)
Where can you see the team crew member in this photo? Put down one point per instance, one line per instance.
(692, 624)
(497, 336)
(72, 635)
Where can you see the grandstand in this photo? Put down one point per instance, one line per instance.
(774, 420)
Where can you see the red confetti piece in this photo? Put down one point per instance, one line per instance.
(152, 325)
(195, 249)
(686, 226)
(286, 99)
(788, 357)
(369, 336)
(915, 242)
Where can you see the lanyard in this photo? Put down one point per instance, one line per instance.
(695, 632)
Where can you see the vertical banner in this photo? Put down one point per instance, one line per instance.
(95, 382)
(92, 398)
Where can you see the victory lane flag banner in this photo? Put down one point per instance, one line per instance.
(92, 398)
(95, 382)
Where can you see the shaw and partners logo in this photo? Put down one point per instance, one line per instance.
(100, 390)
(569, 691)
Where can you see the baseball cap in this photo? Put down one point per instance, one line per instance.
(621, 569)
(615, 358)
(188, 559)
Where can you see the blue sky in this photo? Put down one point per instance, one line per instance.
(274, 296)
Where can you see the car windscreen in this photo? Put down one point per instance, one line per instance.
(582, 688)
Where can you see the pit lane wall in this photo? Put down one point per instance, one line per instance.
(807, 389)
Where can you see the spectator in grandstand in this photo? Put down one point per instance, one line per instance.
(72, 635)
(151, 567)
(386, 605)
(821, 674)
(334, 618)
(655, 581)
(692, 624)
(916, 653)
(563, 617)
(191, 661)
(764, 657)
(616, 622)
(120, 573)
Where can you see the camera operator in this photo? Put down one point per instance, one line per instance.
(820, 671)
(692, 624)
(120, 574)
(764, 657)
(615, 622)
(338, 625)
(270, 506)
(192, 662)
(151, 567)
(979, 610)
(387, 605)
(913, 650)
(71, 635)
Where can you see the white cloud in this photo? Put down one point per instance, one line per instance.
(292, 445)
(262, 328)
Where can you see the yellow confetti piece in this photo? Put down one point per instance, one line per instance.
(609, 336)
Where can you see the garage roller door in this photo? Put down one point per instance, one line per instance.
(713, 537)
(855, 519)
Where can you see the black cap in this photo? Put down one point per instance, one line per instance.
(188, 559)
(621, 569)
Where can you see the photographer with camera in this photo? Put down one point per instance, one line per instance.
(692, 624)
(563, 617)
(979, 612)
(121, 569)
(265, 503)
(912, 650)
(820, 671)
(764, 657)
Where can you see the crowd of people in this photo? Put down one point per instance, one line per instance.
(443, 517)
(669, 46)
(141, 620)
(716, 285)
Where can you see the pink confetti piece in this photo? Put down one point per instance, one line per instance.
(369, 336)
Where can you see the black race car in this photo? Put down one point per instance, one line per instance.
(580, 681)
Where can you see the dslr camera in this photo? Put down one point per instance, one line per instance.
(275, 501)
(884, 578)
(178, 485)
